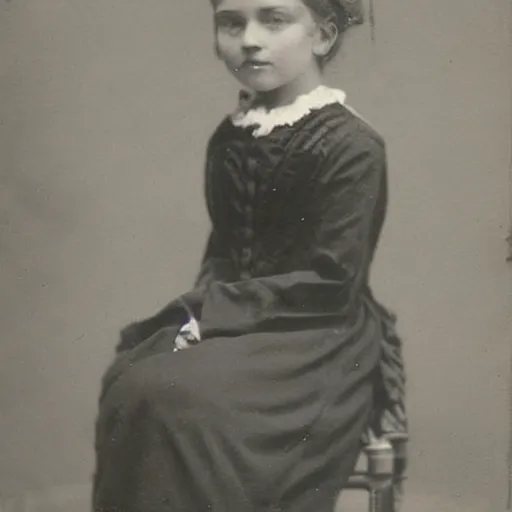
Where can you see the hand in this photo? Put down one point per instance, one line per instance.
(188, 335)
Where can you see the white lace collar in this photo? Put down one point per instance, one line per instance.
(265, 120)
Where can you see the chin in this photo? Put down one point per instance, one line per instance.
(260, 83)
(263, 88)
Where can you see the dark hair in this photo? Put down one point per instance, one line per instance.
(330, 11)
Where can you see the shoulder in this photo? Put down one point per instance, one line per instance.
(325, 131)
(351, 149)
(223, 133)
(345, 129)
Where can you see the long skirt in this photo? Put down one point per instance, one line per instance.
(263, 422)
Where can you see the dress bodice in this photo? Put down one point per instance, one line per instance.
(265, 194)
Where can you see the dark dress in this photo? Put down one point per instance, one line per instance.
(297, 360)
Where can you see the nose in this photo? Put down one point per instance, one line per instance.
(252, 36)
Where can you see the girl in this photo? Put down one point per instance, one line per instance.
(296, 360)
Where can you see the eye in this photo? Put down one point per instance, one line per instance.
(229, 23)
(275, 19)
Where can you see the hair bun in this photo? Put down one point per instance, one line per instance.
(354, 10)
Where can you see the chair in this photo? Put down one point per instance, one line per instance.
(383, 474)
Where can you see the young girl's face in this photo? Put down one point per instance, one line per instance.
(269, 44)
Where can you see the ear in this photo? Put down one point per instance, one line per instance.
(325, 38)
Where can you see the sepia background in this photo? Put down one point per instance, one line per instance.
(105, 109)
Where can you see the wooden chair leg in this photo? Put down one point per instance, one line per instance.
(380, 457)
(384, 475)
(381, 499)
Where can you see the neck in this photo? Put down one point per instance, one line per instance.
(288, 93)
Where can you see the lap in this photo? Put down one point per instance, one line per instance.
(282, 411)
(276, 384)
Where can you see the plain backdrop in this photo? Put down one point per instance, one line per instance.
(105, 110)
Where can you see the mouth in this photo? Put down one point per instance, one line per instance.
(256, 64)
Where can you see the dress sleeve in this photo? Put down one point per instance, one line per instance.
(215, 266)
(340, 250)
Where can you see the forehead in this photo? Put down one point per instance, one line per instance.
(255, 5)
